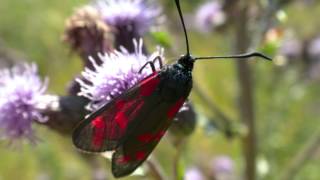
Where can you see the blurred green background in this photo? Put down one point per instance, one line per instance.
(287, 106)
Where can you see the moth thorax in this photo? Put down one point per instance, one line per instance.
(176, 84)
(186, 61)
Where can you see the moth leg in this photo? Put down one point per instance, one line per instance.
(145, 65)
(159, 59)
(112, 96)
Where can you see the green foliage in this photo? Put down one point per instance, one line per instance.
(162, 38)
(35, 28)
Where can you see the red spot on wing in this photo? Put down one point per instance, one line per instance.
(98, 122)
(140, 155)
(124, 108)
(121, 119)
(149, 85)
(137, 108)
(145, 138)
(120, 104)
(175, 108)
(99, 131)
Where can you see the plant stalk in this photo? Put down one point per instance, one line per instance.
(246, 92)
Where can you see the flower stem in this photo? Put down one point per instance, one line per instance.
(213, 107)
(304, 154)
(177, 157)
(246, 101)
(155, 169)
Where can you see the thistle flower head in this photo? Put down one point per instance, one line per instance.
(314, 49)
(20, 91)
(193, 174)
(209, 15)
(222, 164)
(133, 15)
(291, 48)
(86, 32)
(184, 123)
(118, 72)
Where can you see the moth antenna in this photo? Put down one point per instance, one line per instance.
(183, 25)
(247, 55)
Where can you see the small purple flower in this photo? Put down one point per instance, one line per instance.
(222, 164)
(314, 49)
(193, 174)
(20, 92)
(291, 48)
(314, 71)
(209, 15)
(118, 72)
(135, 15)
(130, 19)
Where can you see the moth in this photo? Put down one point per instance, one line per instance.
(133, 123)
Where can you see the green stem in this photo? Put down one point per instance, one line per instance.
(246, 101)
(155, 169)
(226, 121)
(310, 148)
(176, 159)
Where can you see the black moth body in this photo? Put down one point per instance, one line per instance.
(133, 123)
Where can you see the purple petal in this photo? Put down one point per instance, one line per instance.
(20, 92)
(118, 72)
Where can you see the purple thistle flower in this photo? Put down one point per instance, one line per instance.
(222, 164)
(313, 49)
(132, 14)
(313, 57)
(193, 174)
(291, 48)
(222, 168)
(118, 72)
(20, 92)
(209, 15)
(131, 19)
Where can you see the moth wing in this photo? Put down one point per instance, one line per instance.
(135, 150)
(105, 128)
